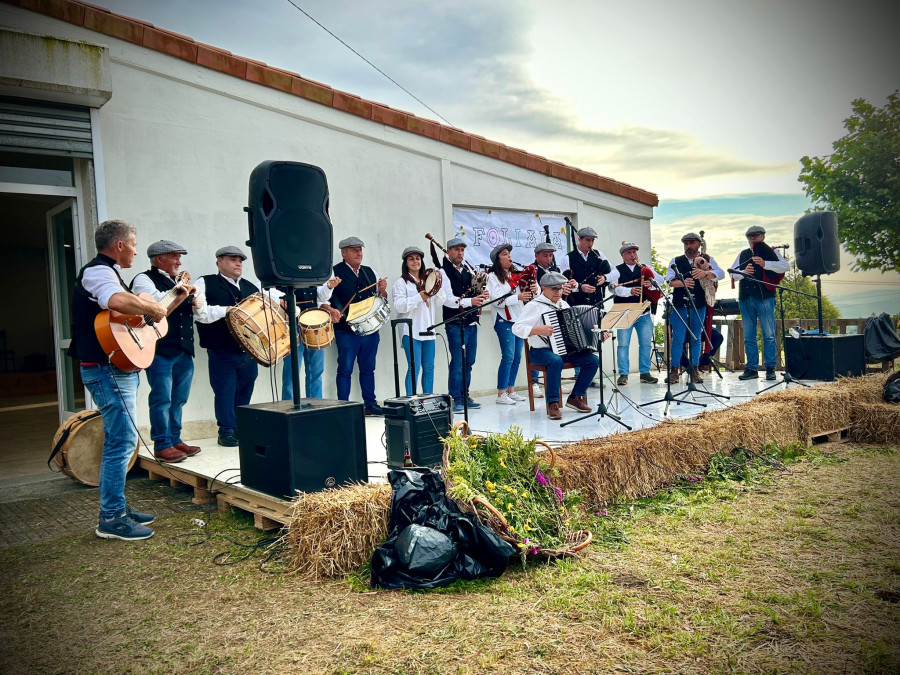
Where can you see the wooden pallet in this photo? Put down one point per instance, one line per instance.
(175, 476)
(269, 513)
(841, 435)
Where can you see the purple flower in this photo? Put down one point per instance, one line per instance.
(541, 478)
(533, 550)
(601, 512)
(559, 495)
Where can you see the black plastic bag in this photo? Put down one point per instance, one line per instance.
(882, 342)
(431, 543)
(892, 388)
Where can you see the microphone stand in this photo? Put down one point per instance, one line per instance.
(460, 320)
(691, 387)
(670, 398)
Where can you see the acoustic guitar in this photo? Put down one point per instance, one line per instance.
(130, 340)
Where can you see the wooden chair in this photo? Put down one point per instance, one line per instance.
(529, 366)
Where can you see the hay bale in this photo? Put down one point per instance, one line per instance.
(334, 532)
(819, 409)
(876, 423)
(865, 389)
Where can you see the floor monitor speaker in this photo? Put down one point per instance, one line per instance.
(825, 357)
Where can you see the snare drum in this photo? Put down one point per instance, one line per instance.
(260, 327)
(78, 447)
(316, 329)
(367, 316)
(433, 281)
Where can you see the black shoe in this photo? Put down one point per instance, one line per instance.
(122, 527)
(138, 517)
(748, 375)
(374, 410)
(770, 374)
(228, 440)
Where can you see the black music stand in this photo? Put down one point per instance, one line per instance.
(615, 387)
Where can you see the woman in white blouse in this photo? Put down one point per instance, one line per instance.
(411, 302)
(505, 314)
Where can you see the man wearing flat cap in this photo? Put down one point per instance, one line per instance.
(232, 373)
(172, 369)
(545, 261)
(530, 326)
(631, 288)
(689, 300)
(762, 268)
(358, 282)
(589, 268)
(457, 284)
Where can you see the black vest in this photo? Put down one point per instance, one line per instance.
(221, 292)
(348, 290)
(541, 271)
(581, 270)
(180, 337)
(85, 346)
(680, 296)
(751, 289)
(626, 275)
(460, 281)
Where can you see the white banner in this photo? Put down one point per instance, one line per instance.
(484, 229)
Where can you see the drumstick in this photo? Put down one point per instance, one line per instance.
(360, 291)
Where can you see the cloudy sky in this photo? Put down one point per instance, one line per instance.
(709, 103)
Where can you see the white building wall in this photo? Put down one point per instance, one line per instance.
(180, 141)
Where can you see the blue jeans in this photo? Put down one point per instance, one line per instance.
(314, 360)
(644, 328)
(361, 349)
(170, 385)
(587, 364)
(753, 309)
(231, 377)
(511, 354)
(115, 399)
(423, 351)
(455, 384)
(679, 333)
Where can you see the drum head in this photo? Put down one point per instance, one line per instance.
(431, 281)
(314, 317)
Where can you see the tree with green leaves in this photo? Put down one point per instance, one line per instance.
(860, 182)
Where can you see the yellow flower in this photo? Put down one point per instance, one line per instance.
(525, 493)
(527, 529)
(501, 463)
(489, 485)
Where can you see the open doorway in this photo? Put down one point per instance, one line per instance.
(38, 383)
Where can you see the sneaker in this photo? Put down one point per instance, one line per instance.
(504, 399)
(578, 403)
(374, 411)
(142, 518)
(122, 527)
(749, 374)
(169, 455)
(458, 407)
(536, 390)
(228, 440)
(622, 381)
(516, 396)
(647, 378)
(473, 404)
(770, 374)
(189, 450)
(553, 411)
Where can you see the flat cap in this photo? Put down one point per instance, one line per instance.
(587, 232)
(350, 242)
(164, 246)
(755, 229)
(553, 279)
(456, 241)
(691, 235)
(409, 250)
(496, 250)
(231, 250)
(543, 246)
(628, 245)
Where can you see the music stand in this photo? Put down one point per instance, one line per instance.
(626, 321)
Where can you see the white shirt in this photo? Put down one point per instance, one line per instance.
(715, 269)
(625, 291)
(410, 305)
(102, 283)
(780, 266)
(207, 313)
(323, 294)
(531, 317)
(512, 304)
(451, 300)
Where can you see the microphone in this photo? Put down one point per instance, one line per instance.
(426, 332)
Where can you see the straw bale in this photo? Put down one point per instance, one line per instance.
(819, 409)
(865, 389)
(334, 532)
(877, 423)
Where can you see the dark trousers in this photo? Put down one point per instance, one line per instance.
(231, 377)
(362, 350)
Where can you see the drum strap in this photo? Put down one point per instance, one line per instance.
(65, 436)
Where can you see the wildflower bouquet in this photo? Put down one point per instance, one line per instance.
(504, 476)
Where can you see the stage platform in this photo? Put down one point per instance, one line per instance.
(214, 473)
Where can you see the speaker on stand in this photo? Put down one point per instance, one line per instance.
(817, 249)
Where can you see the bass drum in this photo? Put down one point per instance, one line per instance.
(260, 327)
(78, 447)
(316, 329)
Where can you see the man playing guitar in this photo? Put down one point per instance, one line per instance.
(99, 287)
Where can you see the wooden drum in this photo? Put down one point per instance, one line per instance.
(316, 329)
(260, 327)
(78, 447)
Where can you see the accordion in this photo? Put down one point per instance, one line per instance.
(572, 329)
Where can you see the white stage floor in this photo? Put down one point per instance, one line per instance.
(223, 464)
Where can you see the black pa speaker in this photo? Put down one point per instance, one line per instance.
(825, 357)
(417, 424)
(284, 449)
(816, 244)
(290, 231)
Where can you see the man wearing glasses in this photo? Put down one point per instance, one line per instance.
(530, 327)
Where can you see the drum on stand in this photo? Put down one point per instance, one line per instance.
(78, 447)
(316, 328)
(368, 316)
(260, 327)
